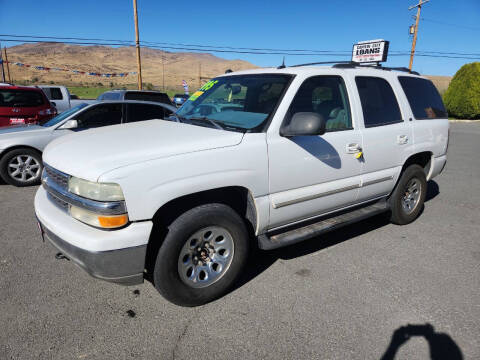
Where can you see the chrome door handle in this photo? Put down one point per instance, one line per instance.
(353, 148)
(402, 139)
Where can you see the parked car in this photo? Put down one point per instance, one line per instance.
(21, 147)
(311, 149)
(140, 95)
(179, 99)
(24, 105)
(61, 97)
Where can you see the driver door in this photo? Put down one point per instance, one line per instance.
(314, 175)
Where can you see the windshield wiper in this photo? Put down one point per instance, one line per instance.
(204, 118)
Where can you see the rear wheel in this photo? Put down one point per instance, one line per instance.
(407, 199)
(202, 255)
(21, 167)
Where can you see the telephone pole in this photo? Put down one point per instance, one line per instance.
(137, 45)
(8, 65)
(1, 63)
(417, 18)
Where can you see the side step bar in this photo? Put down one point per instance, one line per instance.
(301, 233)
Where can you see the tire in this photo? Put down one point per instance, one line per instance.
(406, 206)
(21, 167)
(176, 275)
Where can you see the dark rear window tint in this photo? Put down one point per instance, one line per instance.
(56, 94)
(146, 96)
(423, 97)
(379, 104)
(21, 98)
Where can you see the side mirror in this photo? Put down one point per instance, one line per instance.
(69, 124)
(53, 103)
(304, 123)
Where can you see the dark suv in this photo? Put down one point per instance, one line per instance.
(24, 105)
(139, 95)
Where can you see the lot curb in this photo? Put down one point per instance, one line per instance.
(464, 121)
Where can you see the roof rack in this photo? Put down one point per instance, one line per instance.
(352, 64)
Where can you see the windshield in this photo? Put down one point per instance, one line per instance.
(238, 101)
(64, 115)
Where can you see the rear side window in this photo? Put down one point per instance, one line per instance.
(55, 94)
(140, 112)
(379, 104)
(21, 98)
(148, 96)
(423, 97)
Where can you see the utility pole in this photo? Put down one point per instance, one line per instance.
(137, 45)
(8, 66)
(417, 18)
(199, 75)
(163, 71)
(1, 63)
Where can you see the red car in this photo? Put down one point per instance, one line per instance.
(24, 105)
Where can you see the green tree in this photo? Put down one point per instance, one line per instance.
(462, 97)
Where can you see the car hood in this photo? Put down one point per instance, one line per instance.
(92, 153)
(20, 129)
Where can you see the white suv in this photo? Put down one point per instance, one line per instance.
(266, 157)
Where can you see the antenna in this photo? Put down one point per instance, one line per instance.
(283, 64)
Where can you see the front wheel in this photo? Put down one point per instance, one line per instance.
(21, 167)
(407, 199)
(202, 255)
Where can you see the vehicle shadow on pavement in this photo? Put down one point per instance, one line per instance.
(441, 345)
(261, 260)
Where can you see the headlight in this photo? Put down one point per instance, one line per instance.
(95, 191)
(97, 220)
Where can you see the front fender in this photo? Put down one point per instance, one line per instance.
(149, 185)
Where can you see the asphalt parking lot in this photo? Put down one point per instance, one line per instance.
(341, 296)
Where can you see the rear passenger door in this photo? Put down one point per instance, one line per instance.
(141, 112)
(387, 135)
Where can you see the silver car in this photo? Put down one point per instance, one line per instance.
(21, 147)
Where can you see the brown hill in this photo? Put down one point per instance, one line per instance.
(104, 59)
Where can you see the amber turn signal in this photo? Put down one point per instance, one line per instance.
(109, 222)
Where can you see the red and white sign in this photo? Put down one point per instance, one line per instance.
(370, 51)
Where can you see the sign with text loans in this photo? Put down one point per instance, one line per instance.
(370, 51)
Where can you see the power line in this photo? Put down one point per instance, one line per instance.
(438, 54)
(450, 24)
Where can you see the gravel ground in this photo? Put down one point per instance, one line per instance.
(341, 296)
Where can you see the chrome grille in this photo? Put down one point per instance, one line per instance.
(58, 202)
(59, 178)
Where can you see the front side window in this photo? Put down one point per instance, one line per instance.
(140, 112)
(326, 96)
(100, 115)
(242, 102)
(64, 115)
(21, 98)
(423, 97)
(379, 104)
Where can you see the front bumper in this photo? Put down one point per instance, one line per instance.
(116, 256)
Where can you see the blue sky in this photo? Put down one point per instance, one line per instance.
(318, 25)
